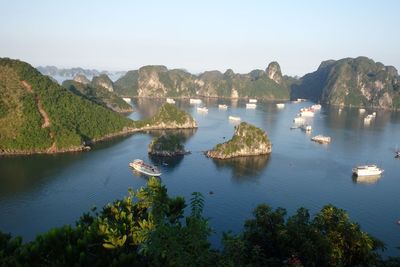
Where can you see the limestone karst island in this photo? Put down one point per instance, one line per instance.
(212, 133)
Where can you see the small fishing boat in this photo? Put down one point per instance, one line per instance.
(361, 110)
(251, 106)
(144, 168)
(222, 106)
(252, 100)
(127, 99)
(233, 118)
(367, 170)
(202, 109)
(280, 105)
(194, 101)
(170, 101)
(321, 139)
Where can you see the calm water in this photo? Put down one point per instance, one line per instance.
(40, 192)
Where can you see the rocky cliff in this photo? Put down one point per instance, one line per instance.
(158, 81)
(99, 90)
(247, 140)
(358, 82)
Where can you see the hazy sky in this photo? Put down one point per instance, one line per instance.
(199, 35)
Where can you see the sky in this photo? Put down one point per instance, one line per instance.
(199, 35)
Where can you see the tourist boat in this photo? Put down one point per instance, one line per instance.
(307, 112)
(280, 105)
(298, 120)
(251, 106)
(368, 119)
(233, 118)
(222, 106)
(367, 170)
(370, 179)
(195, 101)
(361, 110)
(142, 167)
(170, 101)
(202, 109)
(252, 100)
(373, 114)
(306, 128)
(316, 107)
(321, 139)
(127, 99)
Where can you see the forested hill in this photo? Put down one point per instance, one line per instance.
(357, 82)
(38, 115)
(158, 81)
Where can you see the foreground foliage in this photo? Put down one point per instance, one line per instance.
(149, 228)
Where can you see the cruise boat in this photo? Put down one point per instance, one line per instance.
(316, 107)
(307, 112)
(195, 101)
(306, 128)
(222, 106)
(251, 106)
(367, 170)
(252, 100)
(233, 118)
(142, 167)
(127, 99)
(298, 120)
(202, 109)
(321, 139)
(170, 101)
(280, 105)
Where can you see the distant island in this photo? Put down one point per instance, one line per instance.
(248, 140)
(39, 116)
(99, 90)
(348, 82)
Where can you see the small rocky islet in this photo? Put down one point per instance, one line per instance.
(167, 145)
(247, 140)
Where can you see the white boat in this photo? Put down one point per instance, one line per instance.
(252, 100)
(298, 120)
(142, 167)
(170, 101)
(397, 154)
(370, 179)
(202, 109)
(306, 128)
(222, 106)
(195, 101)
(367, 120)
(233, 118)
(361, 110)
(306, 112)
(321, 139)
(251, 106)
(373, 114)
(316, 107)
(280, 105)
(127, 99)
(367, 170)
(301, 99)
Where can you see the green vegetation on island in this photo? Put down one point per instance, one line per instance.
(158, 81)
(99, 94)
(356, 82)
(38, 115)
(167, 145)
(150, 228)
(248, 140)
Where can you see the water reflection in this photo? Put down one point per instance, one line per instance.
(372, 179)
(244, 168)
(19, 174)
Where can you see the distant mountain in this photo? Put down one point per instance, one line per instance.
(40, 116)
(358, 82)
(99, 90)
(158, 81)
(64, 74)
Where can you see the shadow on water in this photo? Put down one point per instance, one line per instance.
(20, 174)
(166, 162)
(244, 168)
(184, 134)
